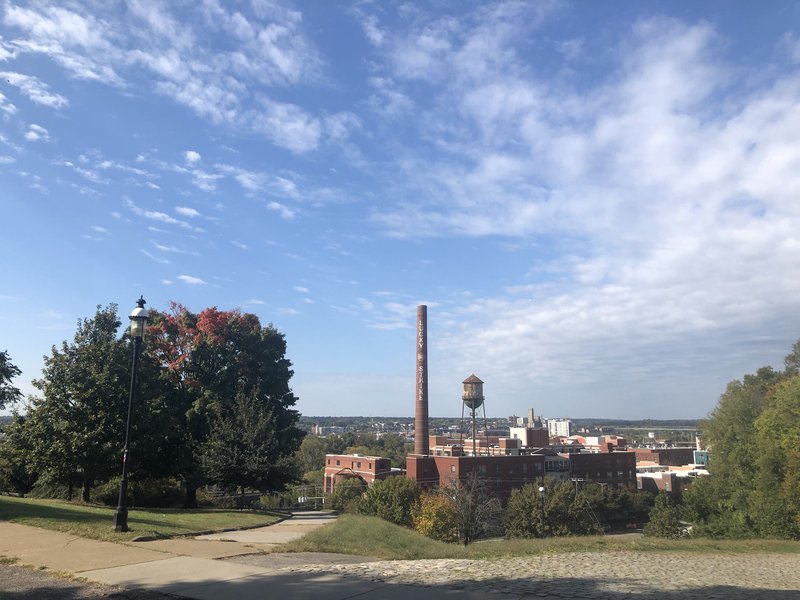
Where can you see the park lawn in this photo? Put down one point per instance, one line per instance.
(370, 536)
(96, 522)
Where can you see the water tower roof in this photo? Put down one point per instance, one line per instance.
(472, 379)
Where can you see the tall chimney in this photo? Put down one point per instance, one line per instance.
(421, 447)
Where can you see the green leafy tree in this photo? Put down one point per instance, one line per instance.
(209, 359)
(17, 473)
(775, 502)
(436, 517)
(346, 495)
(311, 454)
(665, 519)
(730, 432)
(243, 449)
(562, 509)
(392, 499)
(524, 516)
(8, 393)
(478, 510)
(76, 427)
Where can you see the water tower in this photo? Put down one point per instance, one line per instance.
(473, 400)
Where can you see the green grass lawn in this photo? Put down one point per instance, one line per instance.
(96, 522)
(370, 536)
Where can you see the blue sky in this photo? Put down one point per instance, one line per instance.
(598, 201)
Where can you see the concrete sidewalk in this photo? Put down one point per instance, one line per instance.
(191, 567)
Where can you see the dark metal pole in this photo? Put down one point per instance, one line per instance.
(121, 514)
(541, 495)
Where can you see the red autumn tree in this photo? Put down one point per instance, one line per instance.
(211, 361)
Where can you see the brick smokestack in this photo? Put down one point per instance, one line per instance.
(421, 414)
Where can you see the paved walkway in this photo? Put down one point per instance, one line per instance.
(230, 565)
(191, 568)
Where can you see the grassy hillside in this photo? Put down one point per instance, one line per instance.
(370, 536)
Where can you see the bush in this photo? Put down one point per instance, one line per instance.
(346, 495)
(392, 500)
(436, 516)
(567, 511)
(665, 519)
(524, 516)
(146, 493)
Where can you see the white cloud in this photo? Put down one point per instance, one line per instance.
(255, 302)
(167, 281)
(7, 107)
(173, 249)
(301, 289)
(251, 181)
(287, 125)
(285, 212)
(7, 160)
(78, 43)
(191, 157)
(37, 133)
(239, 245)
(34, 89)
(158, 259)
(665, 204)
(187, 211)
(267, 48)
(191, 280)
(155, 215)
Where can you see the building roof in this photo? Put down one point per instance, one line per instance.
(472, 379)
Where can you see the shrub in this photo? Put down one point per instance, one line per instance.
(145, 493)
(665, 519)
(436, 516)
(392, 500)
(567, 511)
(346, 495)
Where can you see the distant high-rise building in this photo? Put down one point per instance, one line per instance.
(533, 420)
(562, 427)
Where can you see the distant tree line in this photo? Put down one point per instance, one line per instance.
(213, 406)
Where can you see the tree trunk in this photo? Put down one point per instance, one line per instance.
(190, 500)
(70, 490)
(85, 491)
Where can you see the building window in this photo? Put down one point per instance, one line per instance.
(452, 468)
(337, 463)
(358, 465)
(329, 461)
(370, 465)
(482, 469)
(524, 467)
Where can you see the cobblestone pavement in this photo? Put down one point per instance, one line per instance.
(665, 576)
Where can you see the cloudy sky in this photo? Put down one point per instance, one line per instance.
(598, 201)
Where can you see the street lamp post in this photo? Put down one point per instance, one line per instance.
(138, 318)
(541, 495)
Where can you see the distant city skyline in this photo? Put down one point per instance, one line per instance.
(597, 201)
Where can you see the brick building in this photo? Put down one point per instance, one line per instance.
(617, 469)
(673, 457)
(501, 473)
(367, 469)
